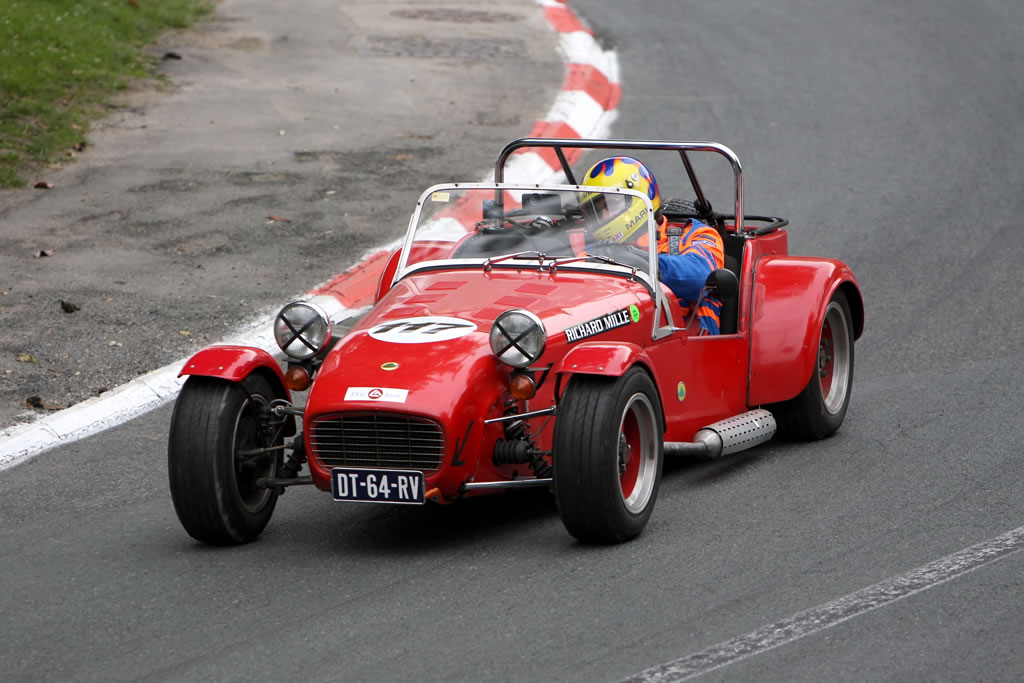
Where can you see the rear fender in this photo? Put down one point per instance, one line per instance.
(790, 294)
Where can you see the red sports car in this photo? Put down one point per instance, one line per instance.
(507, 348)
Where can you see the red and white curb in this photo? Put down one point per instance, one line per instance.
(584, 108)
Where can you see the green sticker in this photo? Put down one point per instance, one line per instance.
(681, 391)
(634, 313)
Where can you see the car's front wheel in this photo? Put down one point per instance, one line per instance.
(608, 452)
(220, 444)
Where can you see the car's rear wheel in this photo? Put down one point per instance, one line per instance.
(219, 446)
(820, 408)
(608, 453)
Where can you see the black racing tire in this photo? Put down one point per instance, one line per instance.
(608, 455)
(213, 487)
(679, 208)
(819, 410)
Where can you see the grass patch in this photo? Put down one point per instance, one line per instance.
(60, 60)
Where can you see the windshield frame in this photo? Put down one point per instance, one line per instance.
(545, 263)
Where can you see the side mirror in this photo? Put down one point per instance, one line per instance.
(492, 209)
(542, 202)
(722, 283)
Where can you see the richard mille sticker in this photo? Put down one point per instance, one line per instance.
(421, 330)
(376, 394)
(598, 325)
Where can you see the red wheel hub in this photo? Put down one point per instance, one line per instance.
(629, 455)
(826, 359)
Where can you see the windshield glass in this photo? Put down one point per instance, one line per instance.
(572, 224)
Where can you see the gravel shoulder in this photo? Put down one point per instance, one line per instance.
(284, 146)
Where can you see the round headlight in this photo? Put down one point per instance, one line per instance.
(518, 338)
(302, 329)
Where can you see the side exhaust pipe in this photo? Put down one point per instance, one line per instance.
(735, 434)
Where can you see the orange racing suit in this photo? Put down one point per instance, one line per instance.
(687, 253)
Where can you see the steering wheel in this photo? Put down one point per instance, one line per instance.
(537, 225)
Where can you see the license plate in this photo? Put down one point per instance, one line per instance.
(377, 486)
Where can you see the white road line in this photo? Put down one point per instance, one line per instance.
(836, 612)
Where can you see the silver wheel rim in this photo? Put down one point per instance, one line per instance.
(834, 359)
(637, 452)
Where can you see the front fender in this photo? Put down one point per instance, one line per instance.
(790, 294)
(233, 363)
(387, 275)
(609, 359)
(602, 358)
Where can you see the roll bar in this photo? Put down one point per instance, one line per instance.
(560, 144)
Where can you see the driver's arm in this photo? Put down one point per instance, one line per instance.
(686, 272)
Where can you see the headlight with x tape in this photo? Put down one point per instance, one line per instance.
(302, 329)
(518, 338)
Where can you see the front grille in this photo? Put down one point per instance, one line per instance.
(377, 440)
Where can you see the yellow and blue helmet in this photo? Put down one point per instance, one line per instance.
(619, 217)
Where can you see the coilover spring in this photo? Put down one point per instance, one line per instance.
(518, 446)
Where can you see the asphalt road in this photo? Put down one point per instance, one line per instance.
(888, 134)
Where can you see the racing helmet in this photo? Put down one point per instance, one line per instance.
(619, 217)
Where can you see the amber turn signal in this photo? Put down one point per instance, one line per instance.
(297, 378)
(522, 387)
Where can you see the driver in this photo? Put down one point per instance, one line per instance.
(687, 252)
